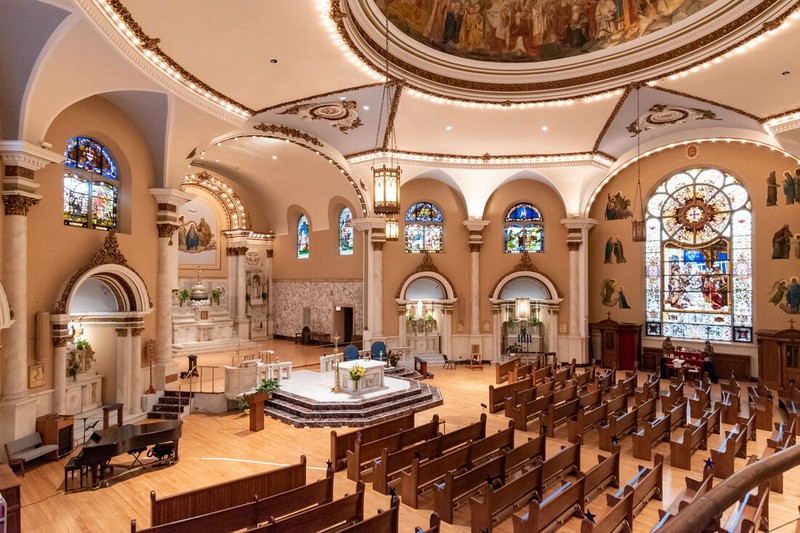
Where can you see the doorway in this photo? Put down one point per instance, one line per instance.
(343, 323)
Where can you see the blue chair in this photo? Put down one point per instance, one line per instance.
(378, 351)
(350, 352)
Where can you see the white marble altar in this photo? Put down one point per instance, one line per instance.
(371, 379)
(328, 362)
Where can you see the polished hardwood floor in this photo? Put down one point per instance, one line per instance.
(216, 448)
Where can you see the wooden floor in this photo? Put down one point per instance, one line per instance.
(216, 448)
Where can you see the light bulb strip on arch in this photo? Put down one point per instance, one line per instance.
(598, 158)
(235, 212)
(669, 146)
(333, 22)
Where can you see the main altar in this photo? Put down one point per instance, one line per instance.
(372, 379)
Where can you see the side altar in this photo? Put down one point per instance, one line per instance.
(372, 379)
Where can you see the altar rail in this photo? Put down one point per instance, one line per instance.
(724, 363)
(200, 374)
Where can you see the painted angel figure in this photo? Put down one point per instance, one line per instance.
(777, 292)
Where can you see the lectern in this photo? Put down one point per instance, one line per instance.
(256, 403)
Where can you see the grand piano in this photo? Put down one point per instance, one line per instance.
(105, 444)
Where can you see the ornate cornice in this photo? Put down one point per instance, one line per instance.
(426, 265)
(488, 160)
(109, 254)
(286, 131)
(18, 204)
(18, 171)
(317, 96)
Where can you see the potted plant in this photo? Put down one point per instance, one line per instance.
(393, 358)
(183, 296)
(268, 387)
(534, 321)
(216, 294)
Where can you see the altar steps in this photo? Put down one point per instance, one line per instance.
(303, 412)
(171, 406)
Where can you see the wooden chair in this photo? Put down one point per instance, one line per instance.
(475, 358)
(448, 363)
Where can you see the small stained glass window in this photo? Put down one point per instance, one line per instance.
(424, 231)
(346, 232)
(698, 262)
(302, 237)
(90, 185)
(523, 230)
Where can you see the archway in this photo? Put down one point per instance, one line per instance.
(425, 312)
(103, 304)
(525, 307)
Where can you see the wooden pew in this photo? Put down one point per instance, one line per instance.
(782, 437)
(434, 525)
(566, 461)
(224, 495)
(249, 515)
(606, 380)
(762, 402)
(528, 411)
(585, 420)
(649, 390)
(650, 436)
(456, 487)
(344, 511)
(492, 505)
(602, 475)
(694, 490)
(714, 417)
(751, 514)
(501, 370)
(557, 414)
(734, 445)
(694, 438)
(497, 395)
(553, 510)
(520, 371)
(424, 473)
(616, 428)
(617, 518)
(587, 378)
(700, 401)
(390, 463)
(647, 484)
(384, 522)
(645, 412)
(363, 454)
(341, 443)
(628, 385)
(669, 400)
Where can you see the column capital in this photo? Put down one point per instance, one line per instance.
(136, 332)
(236, 250)
(166, 230)
(579, 223)
(171, 197)
(121, 332)
(475, 225)
(18, 203)
(368, 223)
(475, 247)
(577, 228)
(377, 246)
(28, 156)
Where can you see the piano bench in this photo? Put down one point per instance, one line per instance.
(70, 468)
(135, 453)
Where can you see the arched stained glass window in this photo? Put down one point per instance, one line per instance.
(699, 258)
(424, 231)
(523, 230)
(346, 232)
(90, 185)
(302, 237)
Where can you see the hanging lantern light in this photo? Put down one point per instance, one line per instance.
(387, 190)
(392, 228)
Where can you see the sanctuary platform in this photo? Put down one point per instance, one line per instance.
(306, 400)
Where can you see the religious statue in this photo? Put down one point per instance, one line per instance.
(789, 187)
(781, 243)
(667, 346)
(772, 190)
(708, 351)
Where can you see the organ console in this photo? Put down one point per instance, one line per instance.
(105, 444)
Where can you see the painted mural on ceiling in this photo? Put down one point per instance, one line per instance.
(532, 30)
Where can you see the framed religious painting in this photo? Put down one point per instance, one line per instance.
(197, 236)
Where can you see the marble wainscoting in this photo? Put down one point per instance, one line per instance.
(321, 296)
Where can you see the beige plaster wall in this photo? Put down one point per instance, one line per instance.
(751, 165)
(56, 251)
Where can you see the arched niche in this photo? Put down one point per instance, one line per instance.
(425, 311)
(543, 300)
(104, 302)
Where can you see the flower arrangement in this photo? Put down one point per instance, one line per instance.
(357, 372)
(393, 358)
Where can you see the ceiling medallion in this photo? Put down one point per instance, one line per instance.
(341, 115)
(694, 214)
(667, 115)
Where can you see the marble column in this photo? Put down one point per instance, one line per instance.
(475, 228)
(237, 284)
(167, 222)
(122, 394)
(61, 336)
(136, 390)
(577, 342)
(268, 267)
(374, 229)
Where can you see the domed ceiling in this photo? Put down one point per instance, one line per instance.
(518, 50)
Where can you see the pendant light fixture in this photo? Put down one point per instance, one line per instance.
(638, 226)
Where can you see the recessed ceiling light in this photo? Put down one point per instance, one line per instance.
(342, 98)
(545, 128)
(274, 157)
(785, 73)
(448, 128)
(365, 108)
(216, 160)
(273, 61)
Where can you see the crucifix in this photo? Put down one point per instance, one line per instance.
(198, 275)
(791, 323)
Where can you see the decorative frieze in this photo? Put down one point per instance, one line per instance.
(18, 171)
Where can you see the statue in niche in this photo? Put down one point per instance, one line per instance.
(667, 346)
(255, 288)
(772, 190)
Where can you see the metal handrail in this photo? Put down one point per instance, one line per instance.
(190, 375)
(704, 514)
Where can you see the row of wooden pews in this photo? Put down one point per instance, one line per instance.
(659, 430)
(621, 426)
(734, 445)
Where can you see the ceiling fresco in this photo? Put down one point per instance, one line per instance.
(521, 31)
